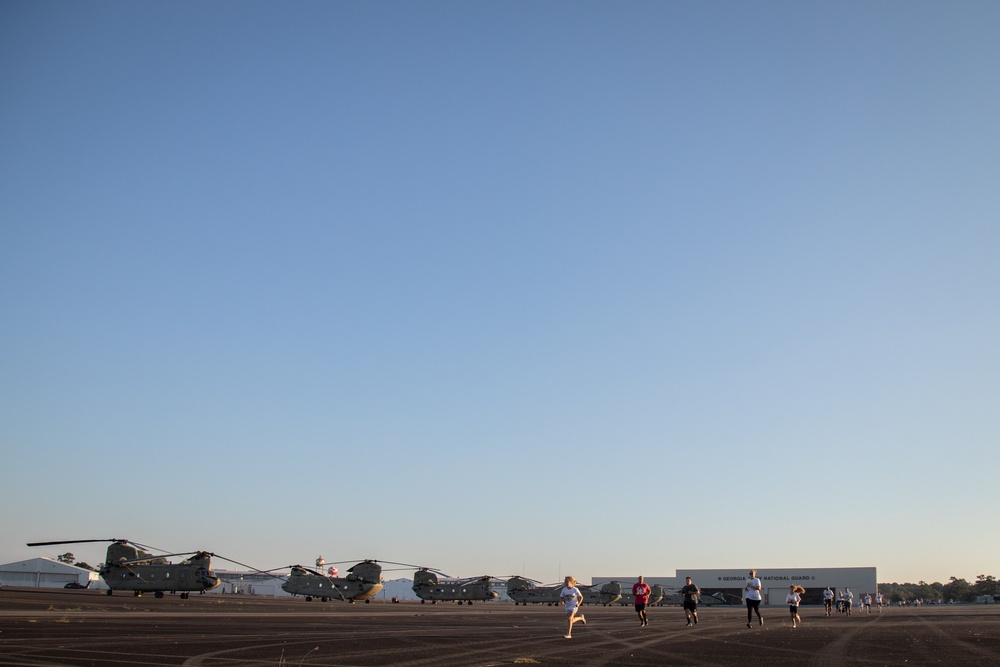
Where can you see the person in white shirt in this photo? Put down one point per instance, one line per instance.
(868, 603)
(848, 600)
(751, 593)
(828, 600)
(572, 598)
(793, 599)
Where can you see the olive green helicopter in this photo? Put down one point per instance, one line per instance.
(363, 582)
(527, 591)
(429, 587)
(128, 566)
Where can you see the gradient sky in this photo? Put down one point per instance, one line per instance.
(518, 287)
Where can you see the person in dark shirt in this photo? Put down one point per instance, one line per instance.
(691, 594)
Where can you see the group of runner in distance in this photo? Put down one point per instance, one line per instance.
(572, 598)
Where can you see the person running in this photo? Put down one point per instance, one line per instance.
(793, 599)
(691, 593)
(572, 598)
(878, 602)
(828, 600)
(848, 601)
(641, 591)
(751, 593)
(868, 603)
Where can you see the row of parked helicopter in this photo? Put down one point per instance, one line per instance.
(127, 568)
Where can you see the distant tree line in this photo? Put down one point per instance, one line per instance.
(70, 559)
(956, 590)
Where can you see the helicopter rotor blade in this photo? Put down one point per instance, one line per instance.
(536, 582)
(410, 565)
(250, 567)
(356, 561)
(149, 548)
(149, 558)
(50, 544)
(416, 567)
(307, 569)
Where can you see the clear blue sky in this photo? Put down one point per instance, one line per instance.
(539, 287)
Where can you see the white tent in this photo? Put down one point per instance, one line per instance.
(45, 573)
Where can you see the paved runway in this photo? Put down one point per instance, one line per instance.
(76, 628)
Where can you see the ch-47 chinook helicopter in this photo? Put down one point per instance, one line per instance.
(656, 593)
(363, 582)
(428, 586)
(126, 568)
(525, 591)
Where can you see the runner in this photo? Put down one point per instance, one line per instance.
(751, 593)
(571, 598)
(828, 600)
(641, 590)
(691, 593)
(793, 599)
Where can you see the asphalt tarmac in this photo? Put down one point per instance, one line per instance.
(46, 628)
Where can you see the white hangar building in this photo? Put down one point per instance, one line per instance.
(46, 573)
(775, 582)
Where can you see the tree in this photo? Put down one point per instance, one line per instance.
(67, 558)
(958, 590)
(986, 585)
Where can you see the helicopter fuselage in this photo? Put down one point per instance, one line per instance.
(193, 574)
(363, 583)
(429, 588)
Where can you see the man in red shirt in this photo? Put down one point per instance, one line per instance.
(641, 592)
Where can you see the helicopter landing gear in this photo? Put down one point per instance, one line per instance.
(137, 594)
(421, 602)
(158, 594)
(184, 596)
(309, 598)
(110, 591)
(367, 601)
(322, 599)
